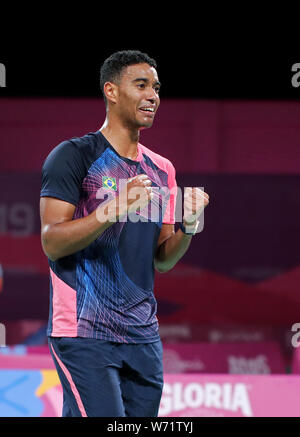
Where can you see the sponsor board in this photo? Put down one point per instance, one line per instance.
(30, 387)
(233, 358)
(201, 395)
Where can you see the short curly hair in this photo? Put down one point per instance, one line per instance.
(112, 67)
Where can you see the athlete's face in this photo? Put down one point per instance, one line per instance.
(138, 95)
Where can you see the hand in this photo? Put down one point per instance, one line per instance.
(136, 195)
(195, 200)
(138, 190)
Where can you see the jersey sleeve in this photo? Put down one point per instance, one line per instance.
(169, 215)
(62, 173)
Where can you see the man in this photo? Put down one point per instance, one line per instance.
(103, 329)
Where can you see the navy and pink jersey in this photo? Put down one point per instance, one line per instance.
(105, 291)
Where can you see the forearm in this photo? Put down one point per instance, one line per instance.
(65, 236)
(62, 239)
(171, 251)
(68, 237)
(175, 246)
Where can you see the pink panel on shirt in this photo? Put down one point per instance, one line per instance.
(165, 165)
(64, 318)
(72, 384)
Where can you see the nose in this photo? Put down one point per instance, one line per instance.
(153, 97)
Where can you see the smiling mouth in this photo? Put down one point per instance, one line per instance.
(147, 111)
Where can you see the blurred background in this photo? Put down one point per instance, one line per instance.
(228, 311)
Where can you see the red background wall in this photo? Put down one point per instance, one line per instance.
(242, 269)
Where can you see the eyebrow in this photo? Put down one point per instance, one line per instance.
(144, 79)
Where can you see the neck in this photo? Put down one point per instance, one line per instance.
(123, 139)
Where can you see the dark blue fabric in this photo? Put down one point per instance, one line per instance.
(67, 164)
(113, 379)
(113, 277)
(138, 261)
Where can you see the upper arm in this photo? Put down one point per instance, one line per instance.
(168, 223)
(53, 211)
(167, 230)
(62, 174)
(170, 201)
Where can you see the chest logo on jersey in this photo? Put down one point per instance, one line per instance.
(109, 183)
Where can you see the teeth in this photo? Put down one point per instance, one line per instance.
(148, 109)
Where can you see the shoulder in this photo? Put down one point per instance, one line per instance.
(163, 163)
(75, 146)
(66, 166)
(76, 150)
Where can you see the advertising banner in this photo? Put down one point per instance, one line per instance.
(233, 358)
(230, 396)
(30, 387)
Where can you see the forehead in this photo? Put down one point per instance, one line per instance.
(144, 70)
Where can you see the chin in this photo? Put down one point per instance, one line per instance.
(146, 124)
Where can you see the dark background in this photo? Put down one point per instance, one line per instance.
(190, 69)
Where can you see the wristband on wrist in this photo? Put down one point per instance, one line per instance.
(187, 229)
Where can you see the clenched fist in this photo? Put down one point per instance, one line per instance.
(138, 188)
(135, 194)
(195, 200)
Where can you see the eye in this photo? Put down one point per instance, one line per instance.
(141, 85)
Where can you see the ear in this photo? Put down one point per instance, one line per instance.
(111, 91)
